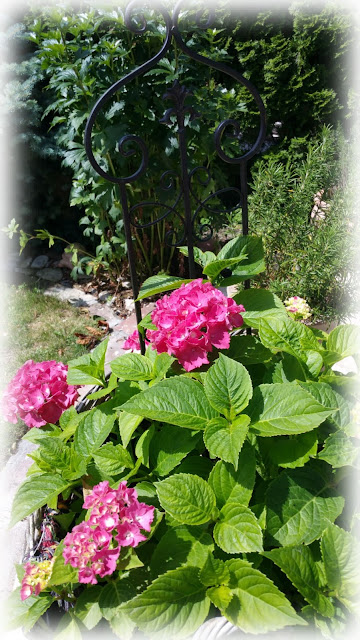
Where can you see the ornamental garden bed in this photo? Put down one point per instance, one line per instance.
(208, 483)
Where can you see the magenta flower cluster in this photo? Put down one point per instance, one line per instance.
(38, 393)
(192, 320)
(116, 520)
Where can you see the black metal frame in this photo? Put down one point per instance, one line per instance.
(131, 144)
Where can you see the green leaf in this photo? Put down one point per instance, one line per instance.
(285, 334)
(237, 530)
(68, 628)
(228, 386)
(341, 555)
(113, 595)
(89, 368)
(196, 465)
(169, 447)
(122, 626)
(142, 449)
(179, 401)
(34, 493)
(225, 439)
(248, 350)
(257, 605)
(162, 363)
(300, 506)
(62, 573)
(128, 423)
(112, 459)
(92, 431)
(289, 452)
(181, 545)
(259, 304)
(132, 366)
(25, 613)
(159, 284)
(173, 606)
(340, 451)
(213, 268)
(299, 566)
(201, 257)
(252, 248)
(189, 499)
(234, 486)
(214, 572)
(102, 393)
(344, 341)
(220, 596)
(285, 409)
(87, 606)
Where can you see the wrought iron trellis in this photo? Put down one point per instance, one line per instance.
(131, 144)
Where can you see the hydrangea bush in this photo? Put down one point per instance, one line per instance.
(202, 486)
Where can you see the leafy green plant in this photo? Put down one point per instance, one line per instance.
(69, 57)
(240, 462)
(308, 249)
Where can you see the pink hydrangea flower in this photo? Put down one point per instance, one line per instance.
(297, 308)
(132, 343)
(116, 519)
(36, 577)
(38, 393)
(192, 320)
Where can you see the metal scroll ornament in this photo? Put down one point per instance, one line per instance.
(186, 205)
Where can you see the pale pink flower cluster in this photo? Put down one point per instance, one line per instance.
(297, 308)
(192, 320)
(116, 520)
(36, 577)
(38, 393)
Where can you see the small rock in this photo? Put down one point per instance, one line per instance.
(129, 304)
(40, 262)
(103, 297)
(53, 275)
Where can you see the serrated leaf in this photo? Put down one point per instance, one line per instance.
(259, 304)
(92, 431)
(173, 606)
(234, 486)
(159, 284)
(341, 555)
(248, 350)
(214, 572)
(228, 386)
(112, 459)
(68, 628)
(113, 595)
(170, 446)
(132, 366)
(300, 506)
(340, 450)
(34, 493)
(25, 613)
(142, 449)
(284, 409)
(289, 452)
(87, 606)
(189, 499)
(344, 341)
(201, 257)
(257, 605)
(179, 401)
(89, 368)
(128, 423)
(237, 530)
(299, 566)
(252, 248)
(220, 596)
(225, 439)
(285, 334)
(181, 545)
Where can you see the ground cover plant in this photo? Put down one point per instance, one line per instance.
(36, 327)
(211, 478)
